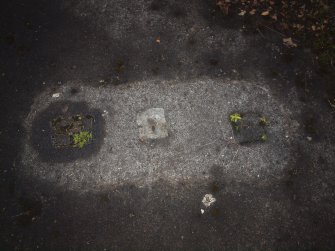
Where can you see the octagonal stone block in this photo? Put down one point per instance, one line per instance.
(152, 124)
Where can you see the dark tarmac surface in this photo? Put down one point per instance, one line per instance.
(111, 44)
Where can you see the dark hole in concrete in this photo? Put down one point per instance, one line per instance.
(250, 128)
(64, 128)
(52, 129)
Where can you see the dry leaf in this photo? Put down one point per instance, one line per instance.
(252, 12)
(285, 26)
(242, 13)
(274, 17)
(289, 43)
(224, 6)
(265, 13)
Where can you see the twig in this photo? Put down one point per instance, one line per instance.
(262, 35)
(269, 28)
(233, 158)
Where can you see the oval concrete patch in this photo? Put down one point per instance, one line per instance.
(200, 134)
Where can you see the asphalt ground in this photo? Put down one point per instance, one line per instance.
(114, 60)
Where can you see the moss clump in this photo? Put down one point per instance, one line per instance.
(235, 117)
(120, 66)
(81, 139)
(263, 121)
(264, 137)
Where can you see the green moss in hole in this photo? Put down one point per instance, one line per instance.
(81, 139)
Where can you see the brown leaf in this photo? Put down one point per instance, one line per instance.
(289, 42)
(274, 17)
(224, 6)
(242, 13)
(285, 26)
(265, 13)
(252, 12)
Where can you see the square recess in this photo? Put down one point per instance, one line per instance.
(63, 128)
(249, 128)
(152, 124)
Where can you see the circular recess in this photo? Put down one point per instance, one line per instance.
(66, 131)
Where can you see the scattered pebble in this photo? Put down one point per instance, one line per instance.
(208, 200)
(202, 211)
(309, 138)
(105, 113)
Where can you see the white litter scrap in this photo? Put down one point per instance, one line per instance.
(56, 95)
(152, 124)
(208, 200)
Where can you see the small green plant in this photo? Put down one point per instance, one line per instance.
(120, 66)
(263, 121)
(81, 139)
(235, 117)
(264, 137)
